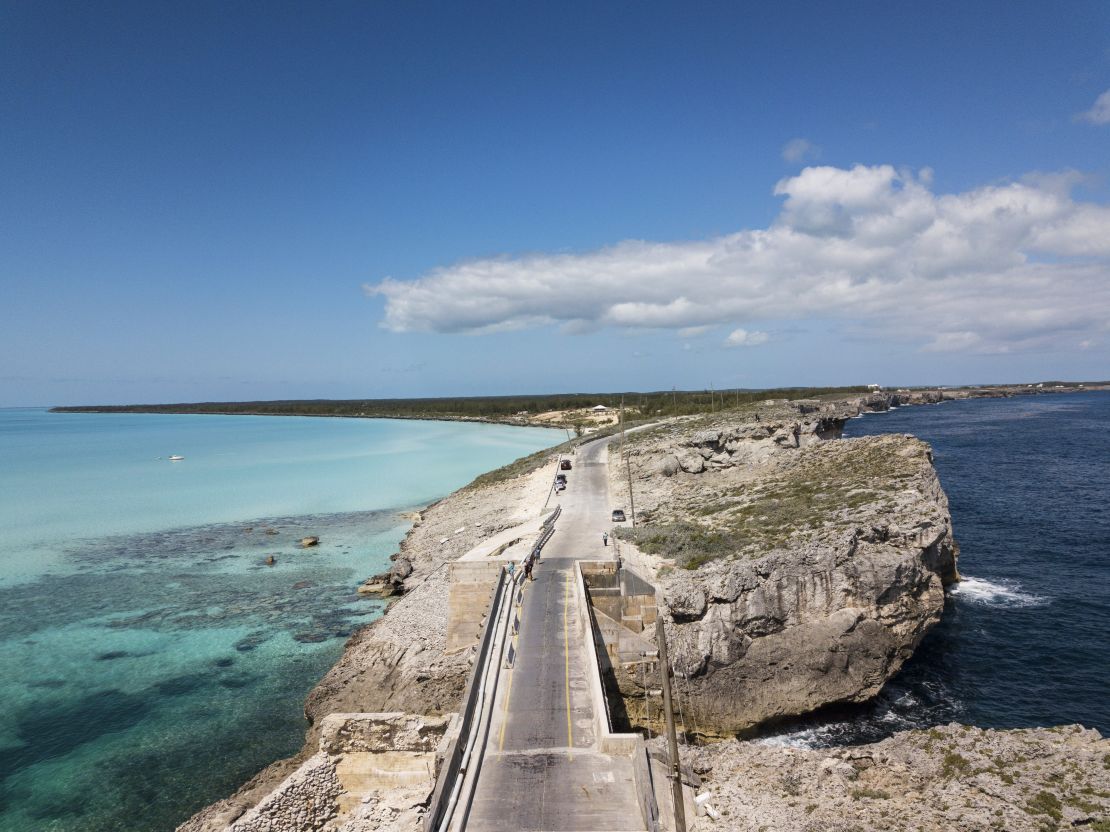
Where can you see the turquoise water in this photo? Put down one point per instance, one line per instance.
(151, 660)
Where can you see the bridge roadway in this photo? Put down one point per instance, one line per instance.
(542, 768)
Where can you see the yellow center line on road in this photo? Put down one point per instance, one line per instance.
(566, 655)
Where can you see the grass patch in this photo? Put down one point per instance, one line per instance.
(826, 489)
(524, 465)
(954, 764)
(1045, 803)
(869, 794)
(689, 544)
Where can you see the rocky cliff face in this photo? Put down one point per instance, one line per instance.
(802, 571)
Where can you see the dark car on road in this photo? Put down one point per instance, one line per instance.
(565, 465)
(618, 515)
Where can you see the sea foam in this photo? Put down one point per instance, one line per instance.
(1001, 593)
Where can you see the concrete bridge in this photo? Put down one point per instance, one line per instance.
(536, 749)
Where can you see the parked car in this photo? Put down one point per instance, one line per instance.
(561, 478)
(565, 465)
(618, 515)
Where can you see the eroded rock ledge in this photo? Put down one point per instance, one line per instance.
(798, 571)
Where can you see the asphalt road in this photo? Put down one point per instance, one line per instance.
(542, 769)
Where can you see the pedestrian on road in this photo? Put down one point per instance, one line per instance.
(528, 570)
(605, 538)
(511, 569)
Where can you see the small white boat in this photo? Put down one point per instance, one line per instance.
(176, 458)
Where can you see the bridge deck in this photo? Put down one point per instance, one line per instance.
(542, 769)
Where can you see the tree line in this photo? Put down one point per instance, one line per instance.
(501, 408)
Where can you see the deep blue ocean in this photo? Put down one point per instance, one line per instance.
(151, 660)
(1025, 637)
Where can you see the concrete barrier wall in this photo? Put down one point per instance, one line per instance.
(307, 799)
(358, 753)
(467, 715)
(609, 742)
(472, 587)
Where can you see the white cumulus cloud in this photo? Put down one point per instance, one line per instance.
(744, 338)
(800, 150)
(1100, 112)
(1004, 267)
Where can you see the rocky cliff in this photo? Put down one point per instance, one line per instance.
(799, 571)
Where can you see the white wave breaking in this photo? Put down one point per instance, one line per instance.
(1002, 593)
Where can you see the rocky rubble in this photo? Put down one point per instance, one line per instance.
(812, 567)
(952, 778)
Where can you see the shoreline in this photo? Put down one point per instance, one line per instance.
(528, 420)
(388, 660)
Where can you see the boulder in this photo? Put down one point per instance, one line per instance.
(691, 462)
(668, 466)
(401, 569)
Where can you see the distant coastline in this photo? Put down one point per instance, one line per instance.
(567, 410)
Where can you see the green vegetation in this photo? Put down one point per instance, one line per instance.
(954, 764)
(689, 544)
(655, 404)
(524, 465)
(827, 489)
(1045, 803)
(870, 794)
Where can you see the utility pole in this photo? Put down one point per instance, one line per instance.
(627, 468)
(620, 416)
(672, 739)
(631, 499)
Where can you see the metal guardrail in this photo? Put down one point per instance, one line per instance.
(551, 518)
(453, 766)
(508, 595)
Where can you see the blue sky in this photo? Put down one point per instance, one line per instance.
(264, 200)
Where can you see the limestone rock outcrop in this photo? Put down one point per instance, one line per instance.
(952, 777)
(802, 571)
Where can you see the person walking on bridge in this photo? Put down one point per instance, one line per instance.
(605, 538)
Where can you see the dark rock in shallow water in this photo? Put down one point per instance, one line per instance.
(179, 685)
(112, 654)
(251, 641)
(50, 684)
(224, 662)
(304, 584)
(310, 638)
